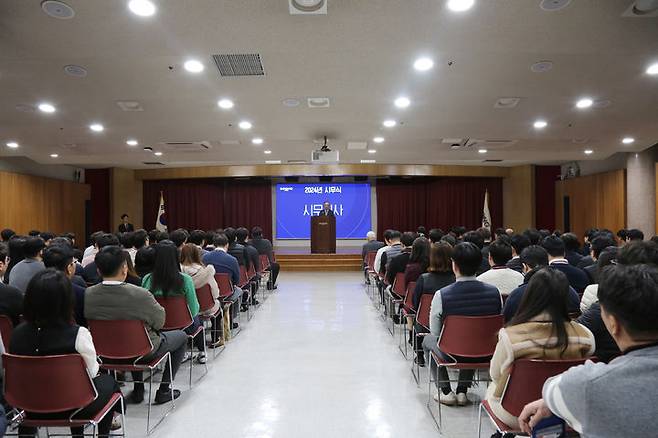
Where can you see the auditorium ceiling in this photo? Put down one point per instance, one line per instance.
(352, 63)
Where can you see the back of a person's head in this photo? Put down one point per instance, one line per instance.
(47, 236)
(178, 236)
(241, 234)
(468, 258)
(500, 252)
(534, 256)
(126, 239)
(144, 260)
(34, 233)
(7, 234)
(621, 234)
(48, 300)
(190, 255)
(571, 242)
(519, 242)
(95, 235)
(543, 233)
(58, 257)
(420, 252)
(499, 232)
(230, 234)
(435, 234)
(407, 238)
(421, 230)
(475, 238)
(533, 236)
(166, 269)
(637, 252)
(370, 235)
(106, 239)
(600, 242)
(161, 236)
(440, 257)
(33, 246)
(387, 234)
(17, 248)
(153, 236)
(109, 260)
(654, 239)
(485, 233)
(4, 251)
(628, 292)
(220, 240)
(61, 241)
(553, 245)
(459, 230)
(197, 237)
(634, 234)
(607, 257)
(449, 239)
(256, 232)
(395, 236)
(139, 238)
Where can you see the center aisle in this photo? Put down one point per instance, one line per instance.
(315, 361)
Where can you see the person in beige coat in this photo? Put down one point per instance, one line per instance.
(191, 264)
(541, 329)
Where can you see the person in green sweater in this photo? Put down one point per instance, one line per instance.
(167, 280)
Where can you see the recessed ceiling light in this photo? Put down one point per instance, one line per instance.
(460, 5)
(653, 69)
(132, 142)
(245, 125)
(267, 152)
(12, 144)
(541, 66)
(75, 70)
(368, 161)
(540, 124)
(585, 102)
(628, 140)
(402, 102)
(257, 140)
(54, 155)
(389, 123)
(225, 103)
(193, 66)
(423, 64)
(57, 9)
(46, 107)
(372, 151)
(482, 151)
(291, 102)
(378, 139)
(157, 154)
(96, 127)
(588, 151)
(143, 8)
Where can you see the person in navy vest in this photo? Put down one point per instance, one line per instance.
(466, 297)
(556, 250)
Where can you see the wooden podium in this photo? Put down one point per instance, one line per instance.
(323, 234)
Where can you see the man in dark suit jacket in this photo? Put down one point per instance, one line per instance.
(555, 248)
(90, 272)
(235, 249)
(326, 210)
(519, 242)
(125, 226)
(264, 247)
(598, 245)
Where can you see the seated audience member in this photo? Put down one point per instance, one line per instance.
(47, 236)
(153, 236)
(397, 264)
(126, 240)
(449, 239)
(466, 297)
(519, 242)
(606, 258)
(140, 240)
(541, 329)
(435, 235)
(16, 254)
(114, 299)
(167, 280)
(380, 252)
(144, 260)
(533, 259)
(500, 276)
(588, 264)
(634, 234)
(48, 330)
(621, 236)
(571, 248)
(499, 232)
(616, 399)
(11, 299)
(23, 271)
(132, 277)
(421, 231)
(90, 272)
(253, 258)
(7, 234)
(34, 233)
(223, 262)
(458, 232)
(654, 240)
(264, 247)
(533, 236)
(372, 244)
(638, 252)
(60, 258)
(439, 274)
(588, 236)
(419, 260)
(198, 238)
(486, 237)
(394, 248)
(159, 237)
(555, 248)
(92, 249)
(476, 238)
(210, 237)
(235, 249)
(179, 237)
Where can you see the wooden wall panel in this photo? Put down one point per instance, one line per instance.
(125, 197)
(597, 200)
(519, 198)
(31, 202)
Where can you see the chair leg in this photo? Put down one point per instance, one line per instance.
(480, 421)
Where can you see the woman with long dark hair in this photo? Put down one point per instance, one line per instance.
(419, 260)
(48, 330)
(167, 280)
(540, 329)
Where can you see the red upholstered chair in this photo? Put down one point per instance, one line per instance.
(264, 272)
(406, 311)
(423, 319)
(121, 344)
(525, 383)
(372, 275)
(225, 285)
(206, 303)
(246, 285)
(52, 385)
(178, 317)
(6, 328)
(468, 337)
(394, 296)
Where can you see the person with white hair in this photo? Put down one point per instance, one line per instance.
(372, 244)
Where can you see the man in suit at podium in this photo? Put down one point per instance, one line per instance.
(326, 210)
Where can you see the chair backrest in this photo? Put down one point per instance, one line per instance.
(244, 278)
(205, 298)
(224, 283)
(527, 378)
(120, 339)
(423, 313)
(398, 284)
(177, 313)
(45, 384)
(409, 295)
(470, 336)
(251, 273)
(6, 328)
(370, 260)
(264, 262)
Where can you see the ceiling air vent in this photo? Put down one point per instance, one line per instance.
(239, 64)
(186, 146)
(152, 163)
(297, 161)
(492, 161)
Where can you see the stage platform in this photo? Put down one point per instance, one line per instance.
(301, 259)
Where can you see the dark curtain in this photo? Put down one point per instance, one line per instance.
(210, 203)
(545, 178)
(99, 180)
(437, 203)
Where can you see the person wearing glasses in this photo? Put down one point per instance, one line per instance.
(60, 258)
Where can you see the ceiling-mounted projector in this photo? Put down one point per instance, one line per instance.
(324, 154)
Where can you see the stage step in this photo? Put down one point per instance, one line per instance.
(319, 262)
